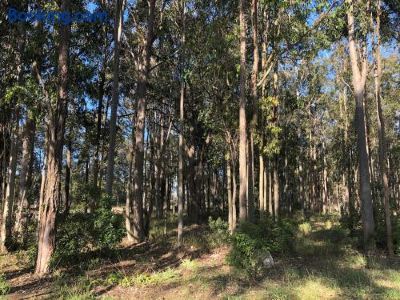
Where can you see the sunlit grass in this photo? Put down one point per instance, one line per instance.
(157, 278)
(190, 265)
(314, 289)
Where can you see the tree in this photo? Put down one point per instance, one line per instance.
(119, 8)
(51, 194)
(359, 76)
(144, 70)
(242, 115)
(381, 132)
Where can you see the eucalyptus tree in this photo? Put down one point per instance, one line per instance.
(51, 195)
(359, 66)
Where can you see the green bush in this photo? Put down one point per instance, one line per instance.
(251, 242)
(219, 232)
(396, 235)
(4, 286)
(380, 228)
(305, 229)
(82, 232)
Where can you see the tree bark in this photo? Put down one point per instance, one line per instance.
(144, 69)
(276, 190)
(115, 95)
(128, 204)
(358, 80)
(55, 138)
(325, 195)
(67, 186)
(381, 134)
(229, 191)
(242, 115)
(5, 230)
(25, 181)
(180, 165)
(96, 164)
(261, 185)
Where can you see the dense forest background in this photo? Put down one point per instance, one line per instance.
(246, 118)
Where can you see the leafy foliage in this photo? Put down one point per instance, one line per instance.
(251, 243)
(4, 286)
(82, 232)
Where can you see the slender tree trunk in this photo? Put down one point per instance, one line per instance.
(276, 190)
(381, 134)
(55, 133)
(242, 115)
(229, 191)
(25, 181)
(96, 164)
(160, 192)
(261, 185)
(115, 95)
(68, 168)
(128, 204)
(254, 79)
(266, 188)
(359, 79)
(234, 194)
(270, 185)
(325, 195)
(6, 225)
(144, 68)
(180, 165)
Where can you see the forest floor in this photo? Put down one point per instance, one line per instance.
(326, 266)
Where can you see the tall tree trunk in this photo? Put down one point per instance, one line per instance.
(115, 95)
(234, 194)
(67, 186)
(180, 165)
(266, 187)
(261, 185)
(128, 204)
(270, 185)
(96, 164)
(325, 195)
(242, 115)
(358, 80)
(381, 133)
(25, 181)
(55, 138)
(254, 92)
(5, 230)
(229, 191)
(144, 68)
(276, 190)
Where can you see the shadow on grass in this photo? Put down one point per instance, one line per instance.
(324, 264)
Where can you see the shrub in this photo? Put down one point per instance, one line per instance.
(396, 235)
(81, 232)
(70, 288)
(108, 229)
(4, 286)
(219, 232)
(251, 243)
(305, 228)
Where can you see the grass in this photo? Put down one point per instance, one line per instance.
(325, 265)
(157, 278)
(190, 265)
(4, 286)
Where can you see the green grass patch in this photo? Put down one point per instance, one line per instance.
(158, 278)
(4, 286)
(190, 265)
